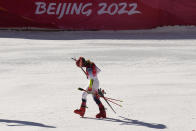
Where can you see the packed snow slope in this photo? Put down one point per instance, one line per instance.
(152, 71)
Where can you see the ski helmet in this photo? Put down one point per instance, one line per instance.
(80, 62)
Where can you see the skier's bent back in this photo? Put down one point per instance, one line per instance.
(91, 71)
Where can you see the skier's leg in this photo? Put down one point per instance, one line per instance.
(102, 112)
(82, 109)
(95, 88)
(95, 85)
(84, 95)
(96, 98)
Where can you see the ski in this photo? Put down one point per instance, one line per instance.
(108, 98)
(102, 95)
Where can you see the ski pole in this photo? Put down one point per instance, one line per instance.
(81, 68)
(113, 99)
(114, 103)
(103, 92)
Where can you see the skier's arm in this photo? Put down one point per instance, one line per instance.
(95, 70)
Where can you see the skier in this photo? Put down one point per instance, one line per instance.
(91, 72)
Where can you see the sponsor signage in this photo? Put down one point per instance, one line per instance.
(93, 14)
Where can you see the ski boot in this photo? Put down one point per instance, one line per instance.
(82, 109)
(102, 113)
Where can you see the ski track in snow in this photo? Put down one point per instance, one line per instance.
(153, 71)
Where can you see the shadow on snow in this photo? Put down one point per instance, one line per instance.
(24, 123)
(127, 121)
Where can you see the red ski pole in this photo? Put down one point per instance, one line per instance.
(114, 102)
(113, 99)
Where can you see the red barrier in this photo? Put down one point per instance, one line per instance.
(97, 14)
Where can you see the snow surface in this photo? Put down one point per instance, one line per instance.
(153, 71)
